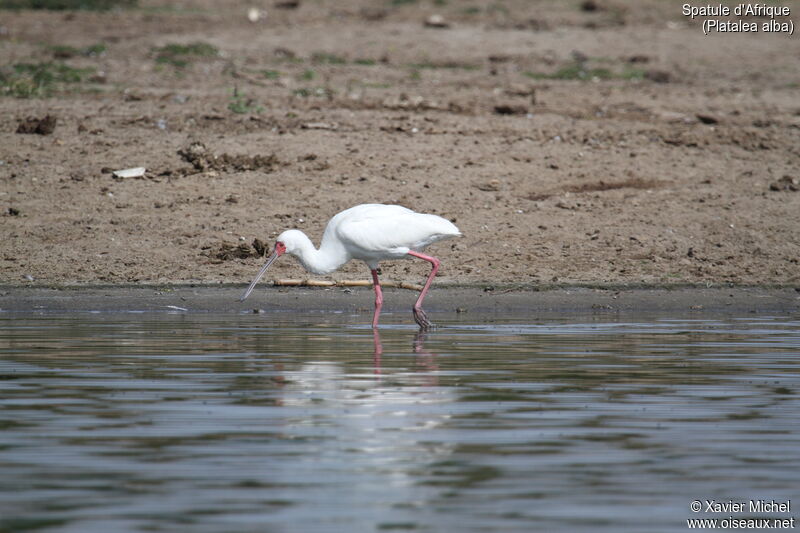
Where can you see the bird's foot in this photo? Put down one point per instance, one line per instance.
(422, 319)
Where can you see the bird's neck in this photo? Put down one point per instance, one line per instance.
(328, 258)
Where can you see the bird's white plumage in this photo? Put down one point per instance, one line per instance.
(371, 232)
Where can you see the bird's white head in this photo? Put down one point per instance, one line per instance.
(291, 241)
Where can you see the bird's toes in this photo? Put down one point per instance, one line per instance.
(421, 318)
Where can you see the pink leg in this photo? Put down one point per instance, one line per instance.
(419, 315)
(376, 339)
(378, 298)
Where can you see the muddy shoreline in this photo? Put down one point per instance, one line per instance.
(679, 301)
(616, 144)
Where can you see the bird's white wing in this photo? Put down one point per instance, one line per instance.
(381, 229)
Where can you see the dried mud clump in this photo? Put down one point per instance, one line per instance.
(38, 126)
(538, 196)
(509, 109)
(633, 183)
(260, 247)
(786, 183)
(202, 160)
(589, 5)
(227, 251)
(596, 186)
(658, 76)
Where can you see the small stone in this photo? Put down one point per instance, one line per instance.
(589, 6)
(255, 14)
(491, 185)
(136, 172)
(509, 109)
(658, 76)
(707, 119)
(436, 21)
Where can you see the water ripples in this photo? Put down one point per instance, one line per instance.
(181, 422)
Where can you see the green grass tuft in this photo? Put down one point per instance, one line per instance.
(454, 65)
(573, 71)
(68, 5)
(38, 80)
(306, 92)
(241, 104)
(179, 55)
(326, 58)
(581, 71)
(633, 74)
(62, 51)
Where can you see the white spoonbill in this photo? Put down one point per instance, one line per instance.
(371, 233)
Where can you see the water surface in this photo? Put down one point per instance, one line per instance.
(217, 423)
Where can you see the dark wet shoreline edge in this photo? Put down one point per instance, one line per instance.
(483, 298)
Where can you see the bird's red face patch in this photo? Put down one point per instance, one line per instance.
(280, 248)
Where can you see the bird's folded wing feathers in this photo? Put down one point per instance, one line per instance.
(403, 230)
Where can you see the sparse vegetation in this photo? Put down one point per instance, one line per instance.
(61, 51)
(305, 92)
(444, 65)
(328, 59)
(498, 8)
(37, 80)
(580, 70)
(271, 74)
(573, 71)
(241, 103)
(285, 58)
(633, 74)
(179, 55)
(307, 75)
(377, 85)
(68, 5)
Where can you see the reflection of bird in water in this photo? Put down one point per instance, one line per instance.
(371, 233)
(367, 410)
(368, 436)
(426, 360)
